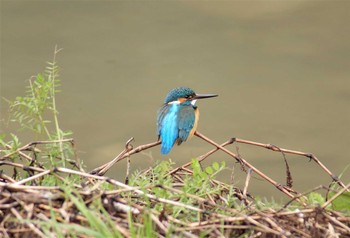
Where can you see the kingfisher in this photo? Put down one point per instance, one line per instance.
(178, 117)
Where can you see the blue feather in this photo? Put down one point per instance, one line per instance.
(186, 119)
(168, 126)
(175, 122)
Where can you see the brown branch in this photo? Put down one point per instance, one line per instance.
(104, 168)
(29, 147)
(247, 183)
(30, 225)
(261, 174)
(201, 158)
(295, 152)
(124, 154)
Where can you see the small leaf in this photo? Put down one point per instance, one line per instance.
(216, 166)
(223, 164)
(203, 175)
(316, 198)
(195, 165)
(342, 202)
(209, 170)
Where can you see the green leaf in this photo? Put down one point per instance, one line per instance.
(316, 198)
(15, 142)
(223, 164)
(342, 202)
(196, 167)
(216, 166)
(203, 175)
(209, 170)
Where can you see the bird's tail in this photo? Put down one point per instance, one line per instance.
(165, 149)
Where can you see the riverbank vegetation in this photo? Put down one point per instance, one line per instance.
(47, 192)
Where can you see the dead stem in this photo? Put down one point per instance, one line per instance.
(247, 183)
(346, 188)
(25, 204)
(101, 170)
(308, 155)
(267, 178)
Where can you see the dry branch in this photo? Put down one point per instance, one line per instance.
(25, 200)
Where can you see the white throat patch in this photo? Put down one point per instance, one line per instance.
(174, 102)
(193, 102)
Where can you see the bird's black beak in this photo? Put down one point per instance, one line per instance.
(201, 96)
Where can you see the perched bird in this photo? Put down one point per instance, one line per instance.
(178, 117)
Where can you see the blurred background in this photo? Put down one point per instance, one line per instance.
(281, 69)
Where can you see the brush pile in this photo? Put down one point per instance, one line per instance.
(187, 201)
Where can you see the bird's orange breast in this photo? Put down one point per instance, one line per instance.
(196, 115)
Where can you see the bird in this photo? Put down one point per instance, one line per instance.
(177, 118)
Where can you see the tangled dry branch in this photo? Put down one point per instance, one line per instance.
(26, 205)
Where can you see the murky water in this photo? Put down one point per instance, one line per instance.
(281, 70)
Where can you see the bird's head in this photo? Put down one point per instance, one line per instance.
(183, 94)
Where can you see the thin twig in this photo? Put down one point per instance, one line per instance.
(30, 225)
(200, 158)
(335, 196)
(29, 145)
(33, 177)
(101, 170)
(295, 152)
(267, 178)
(247, 182)
(117, 183)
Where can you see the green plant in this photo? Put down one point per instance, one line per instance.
(37, 112)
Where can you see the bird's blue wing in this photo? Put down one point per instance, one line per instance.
(186, 120)
(168, 126)
(160, 116)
